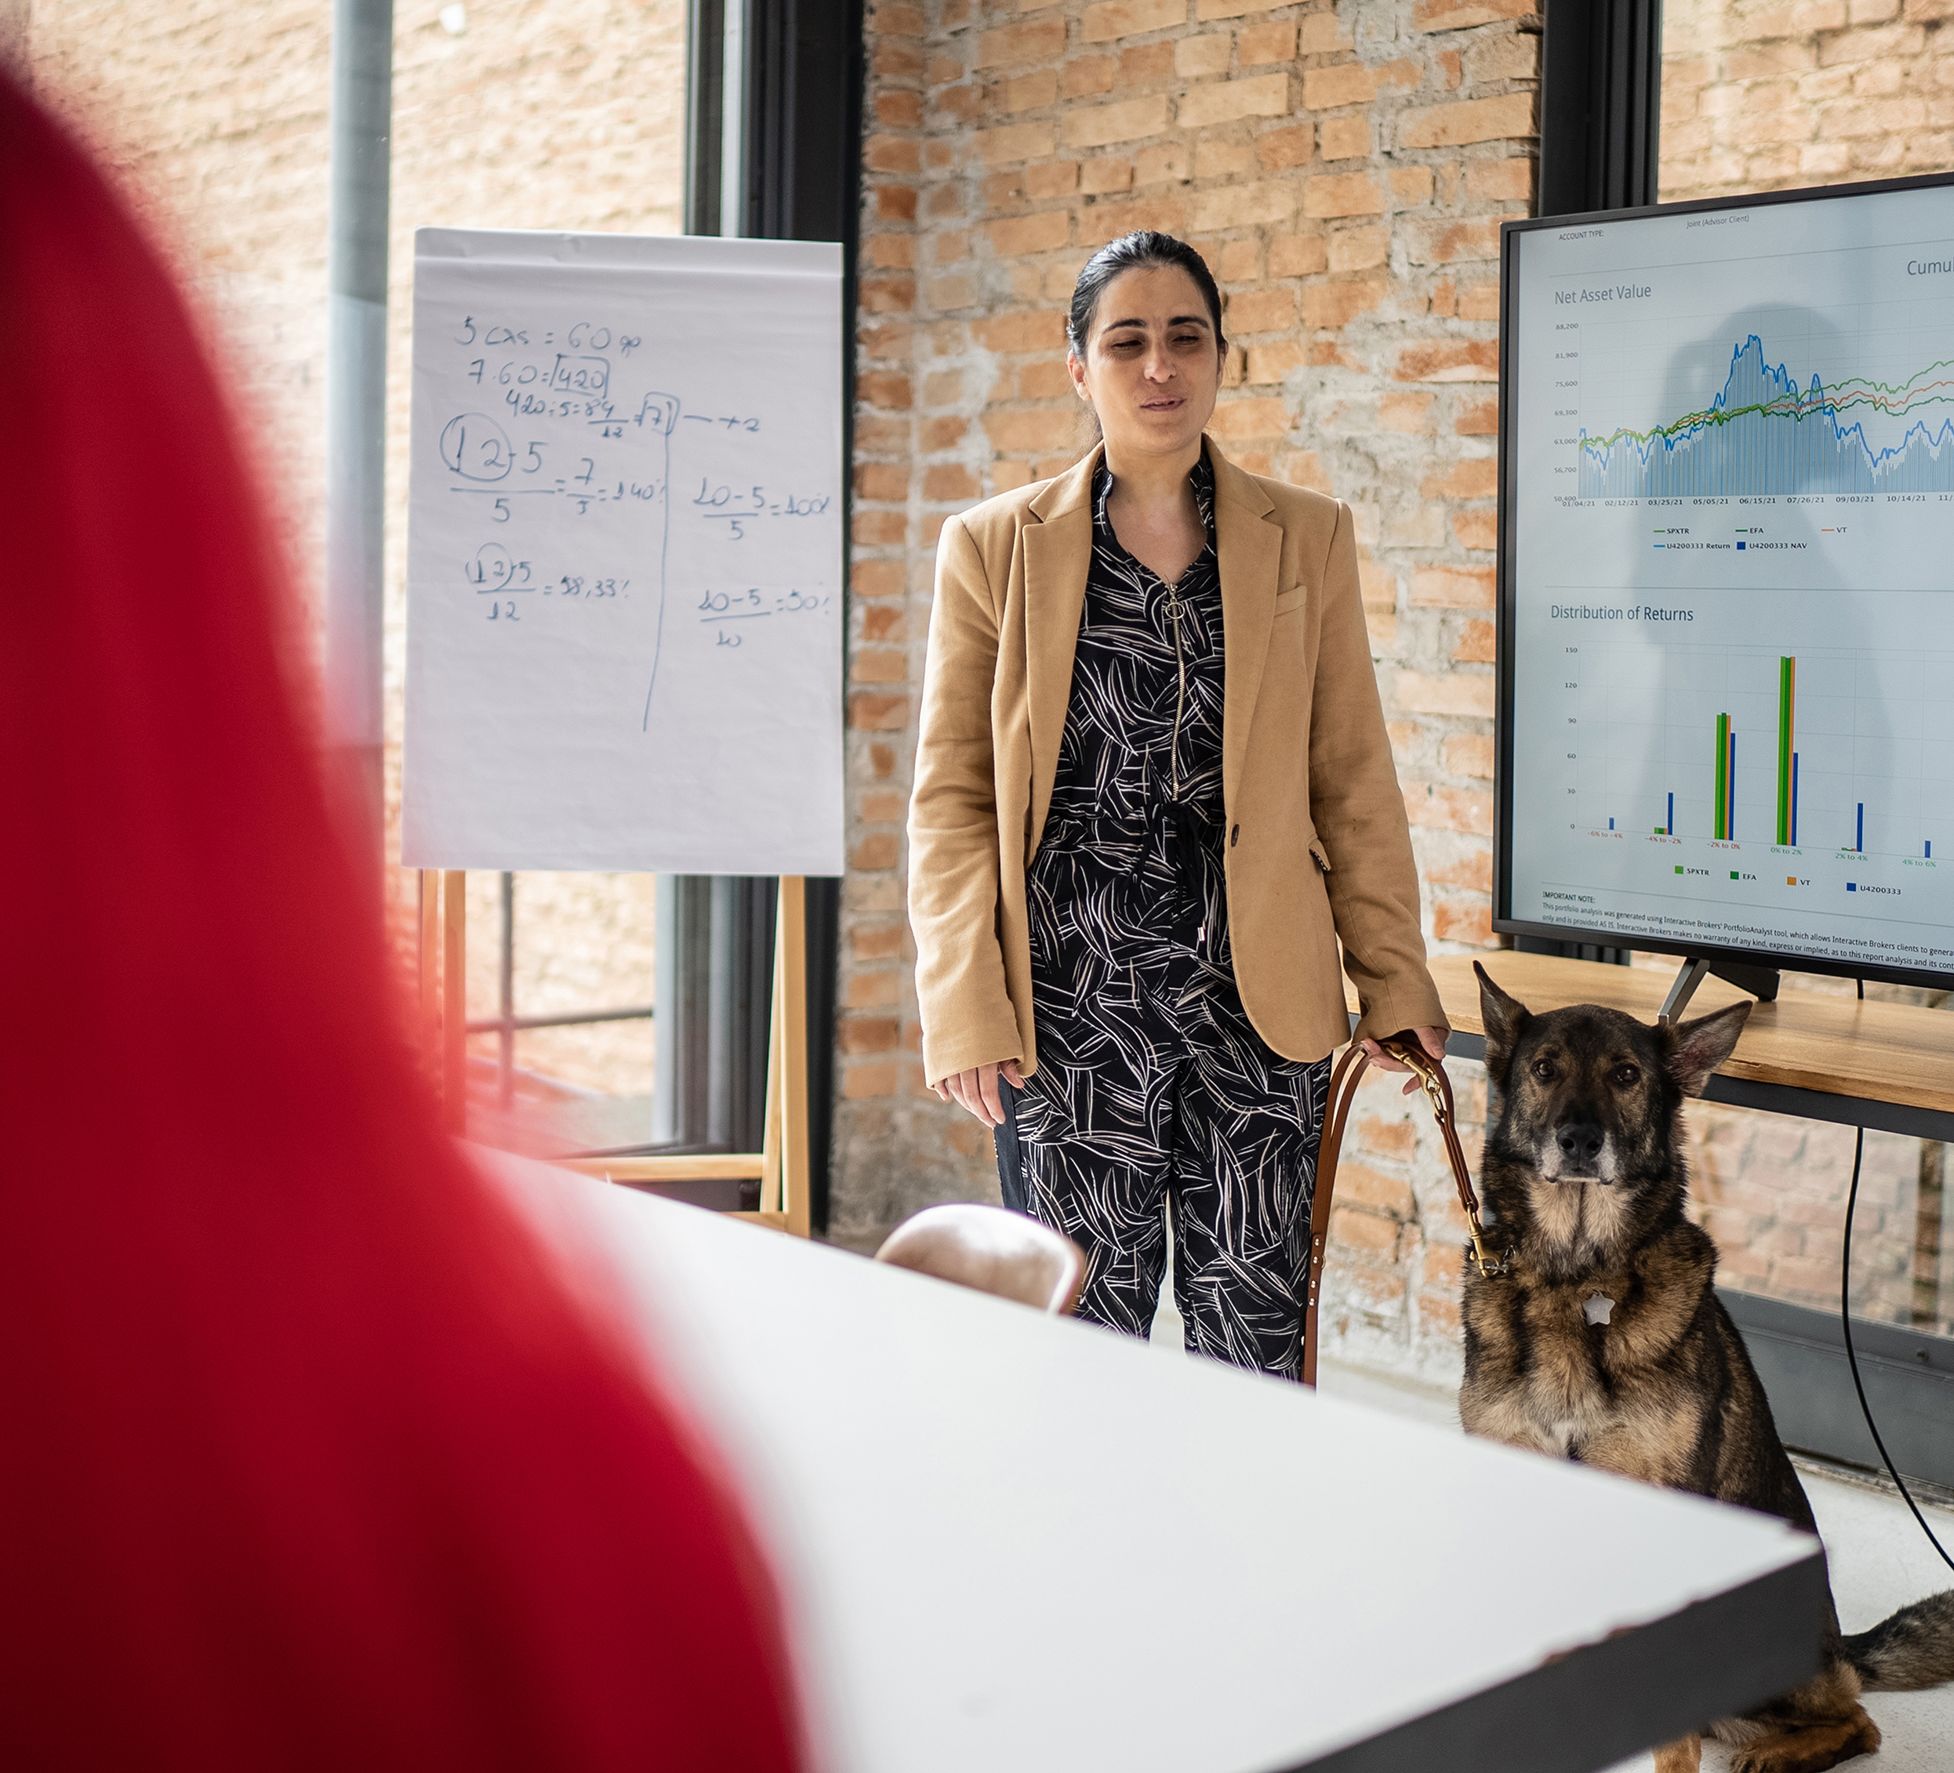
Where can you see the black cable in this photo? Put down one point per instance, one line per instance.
(1851, 1354)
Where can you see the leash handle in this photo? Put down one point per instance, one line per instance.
(1344, 1079)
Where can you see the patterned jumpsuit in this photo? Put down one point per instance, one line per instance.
(1152, 1087)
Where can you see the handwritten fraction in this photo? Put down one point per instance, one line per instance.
(557, 418)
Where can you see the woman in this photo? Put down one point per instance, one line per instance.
(308, 1460)
(1153, 793)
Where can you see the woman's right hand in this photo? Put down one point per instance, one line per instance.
(976, 1090)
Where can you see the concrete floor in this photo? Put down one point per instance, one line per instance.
(1879, 1557)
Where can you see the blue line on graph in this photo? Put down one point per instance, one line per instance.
(1670, 828)
(1811, 449)
(1859, 841)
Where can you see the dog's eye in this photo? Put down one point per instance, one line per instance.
(1545, 1070)
(1627, 1076)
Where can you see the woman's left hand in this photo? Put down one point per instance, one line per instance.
(1431, 1039)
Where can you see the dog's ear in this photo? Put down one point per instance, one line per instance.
(1505, 1018)
(1697, 1048)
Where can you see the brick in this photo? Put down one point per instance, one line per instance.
(1370, 1233)
(1039, 40)
(1259, 45)
(1471, 120)
(877, 851)
(1051, 178)
(1015, 141)
(1297, 255)
(1164, 163)
(1216, 160)
(1282, 150)
(1275, 362)
(1259, 310)
(1410, 186)
(1197, 57)
(879, 665)
(1446, 243)
(1511, 56)
(1343, 193)
(1463, 920)
(1227, 101)
(898, 110)
(1323, 33)
(1099, 176)
(949, 483)
(1330, 305)
(877, 711)
(1471, 754)
(1451, 587)
(1125, 120)
(1432, 806)
(1450, 692)
(1045, 231)
(892, 153)
(1460, 15)
(1027, 330)
(866, 1078)
(1346, 138)
(1146, 64)
(1029, 92)
(867, 1034)
(1111, 19)
(1480, 419)
(1327, 89)
(1476, 644)
(1449, 360)
(881, 621)
(1241, 417)
(882, 481)
(1241, 262)
(1087, 76)
(885, 389)
(1244, 206)
(1019, 433)
(876, 529)
(1476, 530)
(1500, 181)
(1359, 249)
(1410, 414)
(1363, 1185)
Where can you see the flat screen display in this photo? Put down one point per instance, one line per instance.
(1727, 580)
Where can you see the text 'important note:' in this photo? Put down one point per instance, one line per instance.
(624, 574)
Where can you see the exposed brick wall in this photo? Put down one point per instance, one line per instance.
(1344, 169)
(1762, 95)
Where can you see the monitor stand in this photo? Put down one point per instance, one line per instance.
(1760, 982)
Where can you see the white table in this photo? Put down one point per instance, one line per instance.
(1017, 1545)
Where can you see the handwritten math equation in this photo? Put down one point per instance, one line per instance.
(569, 474)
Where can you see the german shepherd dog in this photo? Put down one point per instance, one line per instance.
(1606, 1342)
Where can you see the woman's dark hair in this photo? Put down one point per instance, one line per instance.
(1133, 252)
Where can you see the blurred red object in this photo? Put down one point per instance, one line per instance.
(306, 1459)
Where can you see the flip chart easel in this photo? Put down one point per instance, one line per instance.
(780, 1166)
(624, 637)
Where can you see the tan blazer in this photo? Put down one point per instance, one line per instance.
(1317, 847)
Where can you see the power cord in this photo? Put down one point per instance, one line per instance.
(1851, 1354)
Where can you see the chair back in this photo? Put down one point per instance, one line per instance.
(992, 1250)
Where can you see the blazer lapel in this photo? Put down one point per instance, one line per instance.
(1057, 559)
(1249, 554)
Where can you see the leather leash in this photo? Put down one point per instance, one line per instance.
(1343, 1093)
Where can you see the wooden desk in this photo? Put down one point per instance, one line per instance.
(1883, 1065)
(1013, 1542)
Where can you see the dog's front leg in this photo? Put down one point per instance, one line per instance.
(1684, 1755)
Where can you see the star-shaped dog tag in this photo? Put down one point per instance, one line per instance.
(1598, 1307)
